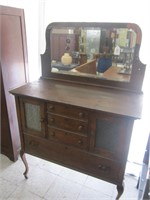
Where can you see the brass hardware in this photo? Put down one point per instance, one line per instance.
(52, 133)
(51, 107)
(81, 114)
(52, 120)
(80, 128)
(80, 142)
(33, 143)
(103, 168)
(92, 133)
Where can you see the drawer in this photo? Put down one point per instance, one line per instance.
(68, 123)
(43, 148)
(75, 158)
(66, 137)
(70, 111)
(103, 168)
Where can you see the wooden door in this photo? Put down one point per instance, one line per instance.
(33, 117)
(110, 135)
(13, 71)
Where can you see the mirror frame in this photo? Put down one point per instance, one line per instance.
(138, 68)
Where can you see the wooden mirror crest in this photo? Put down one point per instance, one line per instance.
(103, 54)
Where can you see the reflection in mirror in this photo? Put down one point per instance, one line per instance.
(93, 51)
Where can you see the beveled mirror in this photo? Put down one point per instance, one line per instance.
(105, 54)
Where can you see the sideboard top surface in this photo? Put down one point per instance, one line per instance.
(95, 98)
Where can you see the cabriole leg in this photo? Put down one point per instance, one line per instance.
(22, 155)
(120, 189)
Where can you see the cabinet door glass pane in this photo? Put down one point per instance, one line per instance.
(32, 115)
(107, 134)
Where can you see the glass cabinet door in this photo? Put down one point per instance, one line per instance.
(110, 135)
(34, 117)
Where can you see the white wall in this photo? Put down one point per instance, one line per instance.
(112, 11)
(31, 9)
(39, 13)
(102, 11)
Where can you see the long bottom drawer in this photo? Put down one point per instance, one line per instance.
(75, 158)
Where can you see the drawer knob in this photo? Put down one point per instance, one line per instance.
(52, 120)
(52, 133)
(92, 133)
(81, 114)
(103, 168)
(80, 142)
(51, 107)
(80, 128)
(33, 143)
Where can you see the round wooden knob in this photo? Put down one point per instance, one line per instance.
(51, 107)
(52, 120)
(80, 128)
(80, 142)
(52, 133)
(34, 143)
(104, 168)
(81, 114)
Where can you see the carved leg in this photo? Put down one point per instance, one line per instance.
(120, 189)
(22, 154)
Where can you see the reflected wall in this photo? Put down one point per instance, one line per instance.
(110, 49)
